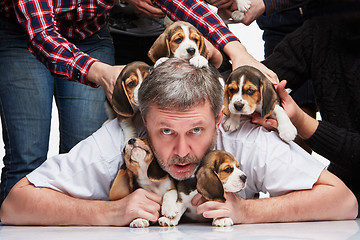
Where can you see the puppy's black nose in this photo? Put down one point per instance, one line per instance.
(243, 178)
(238, 106)
(131, 141)
(191, 51)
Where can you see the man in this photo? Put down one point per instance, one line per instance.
(181, 107)
(71, 44)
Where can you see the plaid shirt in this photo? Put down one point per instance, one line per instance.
(49, 24)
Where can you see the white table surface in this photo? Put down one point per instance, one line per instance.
(302, 230)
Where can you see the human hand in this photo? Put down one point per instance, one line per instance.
(240, 57)
(139, 204)
(256, 10)
(146, 7)
(104, 75)
(231, 208)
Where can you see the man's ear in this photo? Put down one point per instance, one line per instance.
(219, 118)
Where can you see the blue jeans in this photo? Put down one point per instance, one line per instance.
(26, 92)
(276, 26)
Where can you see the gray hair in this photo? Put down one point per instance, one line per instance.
(176, 84)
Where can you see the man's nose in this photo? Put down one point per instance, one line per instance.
(182, 148)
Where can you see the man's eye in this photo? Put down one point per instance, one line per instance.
(196, 130)
(166, 131)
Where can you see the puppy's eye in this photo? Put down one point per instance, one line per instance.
(131, 84)
(178, 40)
(196, 40)
(228, 170)
(250, 91)
(232, 90)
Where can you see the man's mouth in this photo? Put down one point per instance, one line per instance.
(182, 167)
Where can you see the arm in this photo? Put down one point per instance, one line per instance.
(329, 199)
(29, 205)
(61, 57)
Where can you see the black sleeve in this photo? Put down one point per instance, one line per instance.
(291, 59)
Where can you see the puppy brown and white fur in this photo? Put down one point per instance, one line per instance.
(140, 170)
(218, 173)
(180, 40)
(248, 90)
(238, 15)
(124, 102)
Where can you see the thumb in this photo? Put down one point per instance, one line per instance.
(283, 94)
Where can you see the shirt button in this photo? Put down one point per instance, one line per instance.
(78, 4)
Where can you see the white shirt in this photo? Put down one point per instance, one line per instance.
(271, 165)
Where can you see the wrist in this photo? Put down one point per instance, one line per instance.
(305, 125)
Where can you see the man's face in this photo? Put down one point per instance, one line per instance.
(181, 138)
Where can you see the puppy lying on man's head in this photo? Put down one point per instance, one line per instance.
(218, 173)
(124, 102)
(248, 90)
(140, 170)
(180, 40)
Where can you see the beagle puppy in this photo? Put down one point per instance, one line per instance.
(248, 90)
(236, 16)
(180, 40)
(218, 173)
(140, 170)
(124, 102)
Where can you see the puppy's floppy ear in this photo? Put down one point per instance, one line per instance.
(202, 48)
(209, 185)
(160, 48)
(120, 99)
(226, 100)
(121, 186)
(268, 97)
(155, 172)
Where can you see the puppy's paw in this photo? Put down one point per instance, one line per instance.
(231, 124)
(222, 222)
(199, 61)
(169, 210)
(237, 15)
(243, 5)
(160, 61)
(139, 223)
(167, 222)
(287, 131)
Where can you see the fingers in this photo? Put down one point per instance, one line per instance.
(198, 200)
(144, 204)
(212, 209)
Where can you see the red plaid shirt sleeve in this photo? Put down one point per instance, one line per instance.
(198, 13)
(53, 49)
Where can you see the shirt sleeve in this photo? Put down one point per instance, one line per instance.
(62, 58)
(199, 14)
(88, 170)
